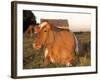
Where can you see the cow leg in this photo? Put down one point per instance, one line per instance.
(46, 61)
(69, 61)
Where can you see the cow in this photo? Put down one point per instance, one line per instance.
(59, 43)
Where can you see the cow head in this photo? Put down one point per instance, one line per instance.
(41, 31)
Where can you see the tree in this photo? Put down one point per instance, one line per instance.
(28, 19)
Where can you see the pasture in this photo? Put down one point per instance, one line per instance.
(33, 58)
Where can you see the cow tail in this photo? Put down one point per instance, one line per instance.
(76, 44)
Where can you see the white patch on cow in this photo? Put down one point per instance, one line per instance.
(46, 52)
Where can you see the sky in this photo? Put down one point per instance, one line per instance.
(77, 21)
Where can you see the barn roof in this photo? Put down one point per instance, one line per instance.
(57, 22)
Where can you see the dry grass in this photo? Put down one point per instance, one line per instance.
(34, 58)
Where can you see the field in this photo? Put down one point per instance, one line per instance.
(34, 58)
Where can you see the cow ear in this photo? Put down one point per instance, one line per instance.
(36, 29)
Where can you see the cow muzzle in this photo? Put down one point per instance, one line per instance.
(36, 46)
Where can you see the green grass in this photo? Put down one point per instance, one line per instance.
(34, 58)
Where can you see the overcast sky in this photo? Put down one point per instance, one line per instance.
(77, 21)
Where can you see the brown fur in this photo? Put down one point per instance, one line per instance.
(60, 44)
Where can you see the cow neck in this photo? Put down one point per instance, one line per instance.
(50, 39)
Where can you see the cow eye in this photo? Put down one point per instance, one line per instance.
(45, 31)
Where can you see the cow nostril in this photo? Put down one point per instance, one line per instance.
(36, 46)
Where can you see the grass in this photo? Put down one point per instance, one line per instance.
(34, 58)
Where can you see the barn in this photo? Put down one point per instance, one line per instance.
(57, 22)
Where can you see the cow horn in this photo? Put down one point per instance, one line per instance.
(43, 24)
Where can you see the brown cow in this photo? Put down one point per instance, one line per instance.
(59, 44)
